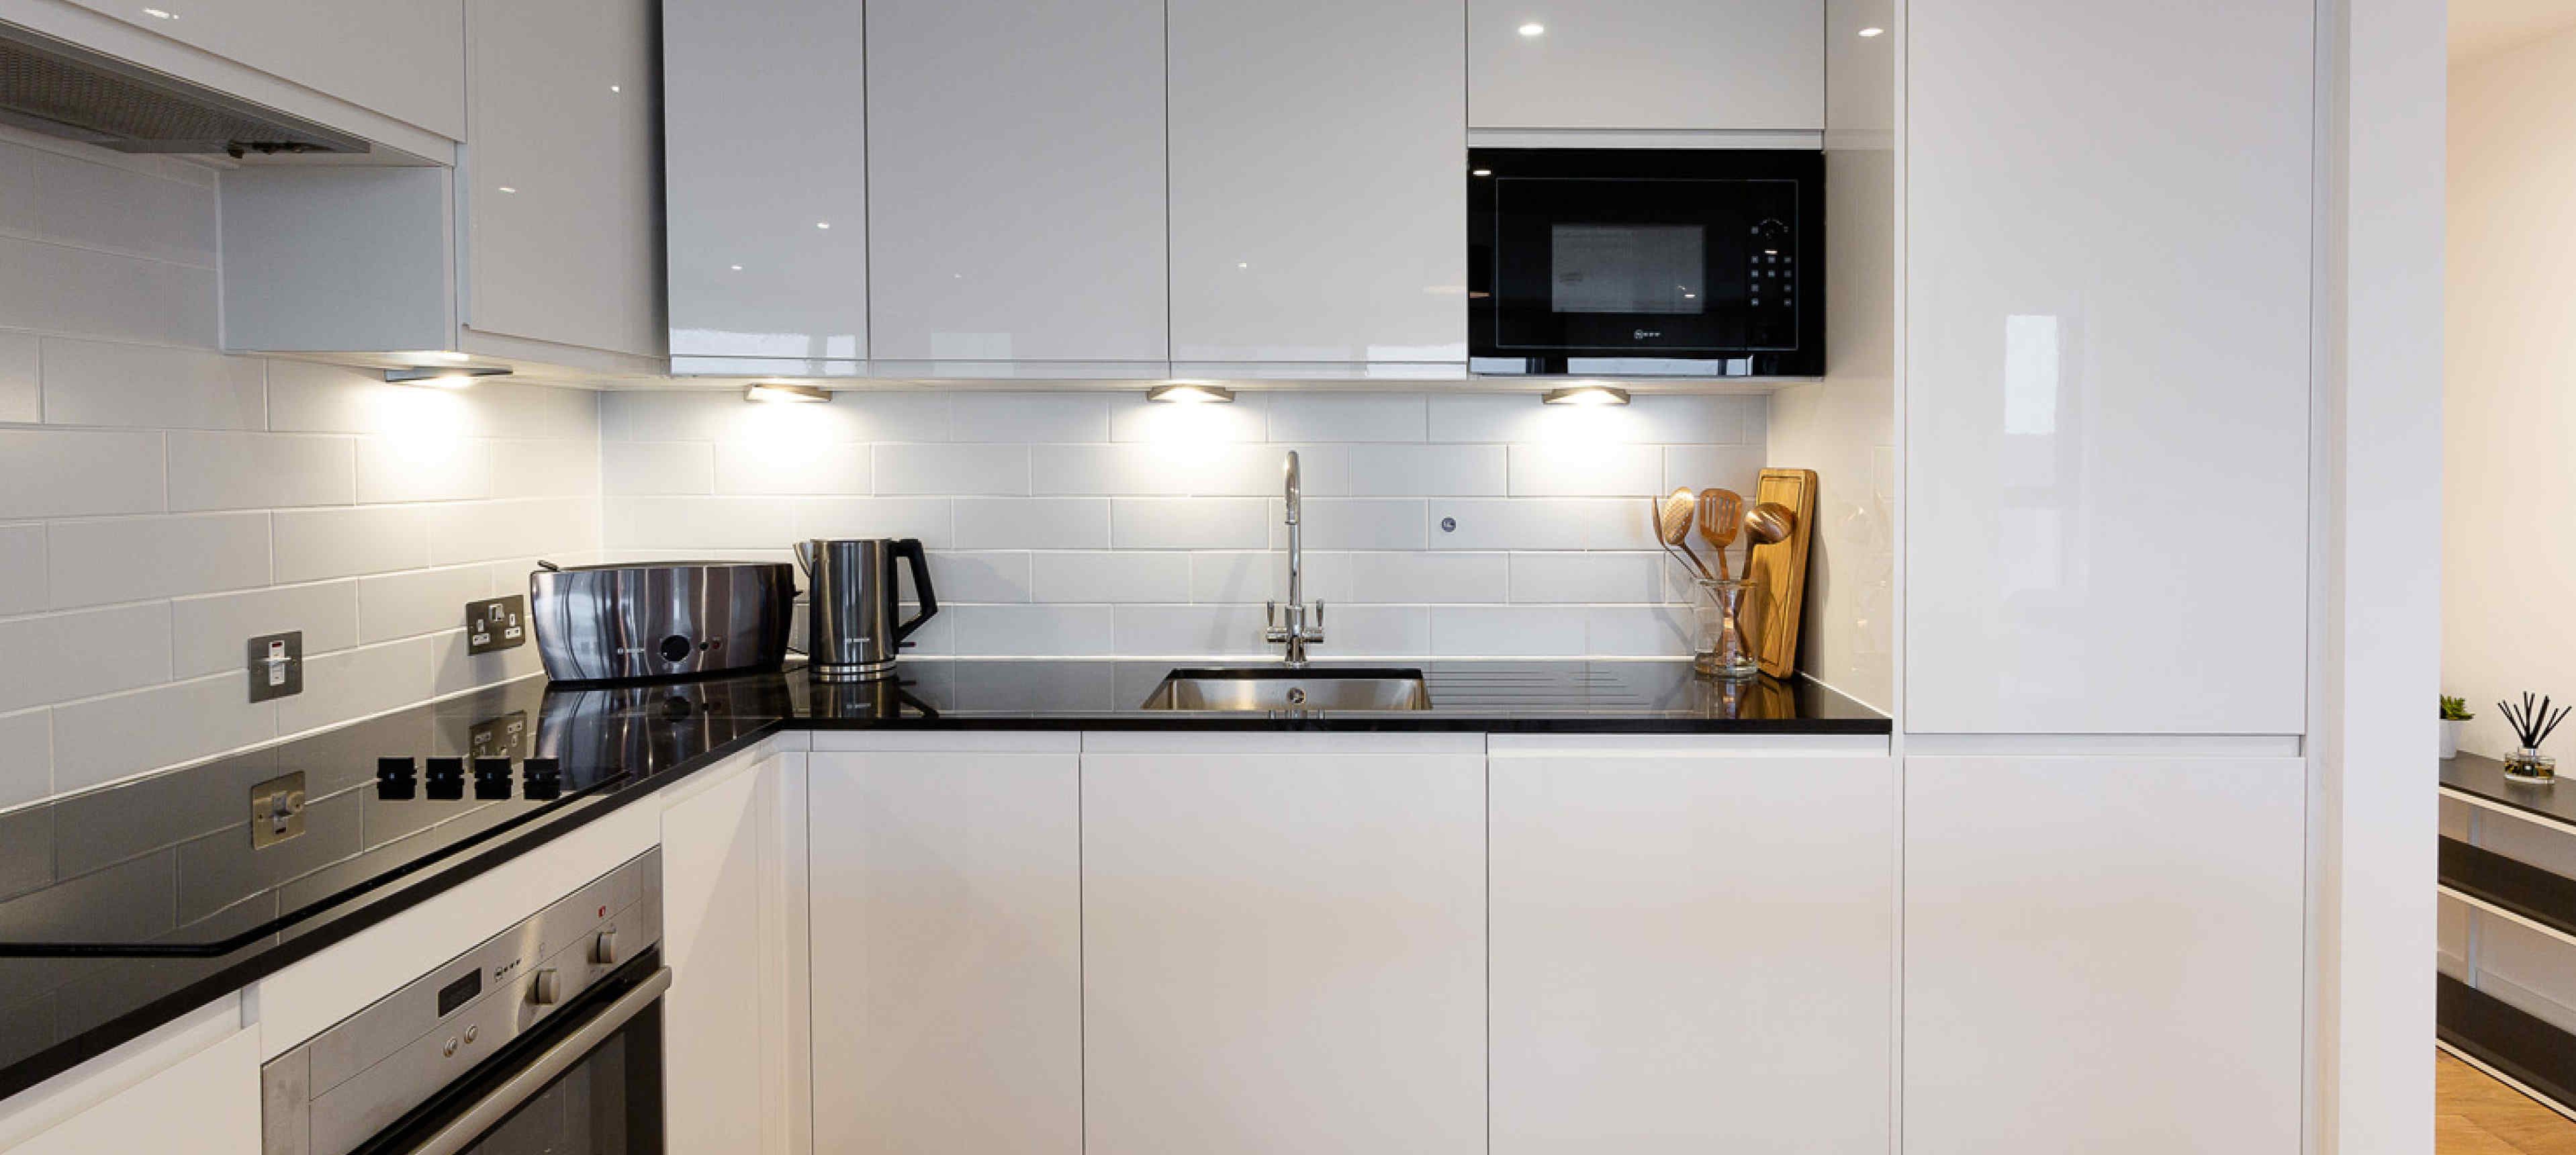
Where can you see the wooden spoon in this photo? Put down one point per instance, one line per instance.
(1721, 514)
(1673, 526)
(1769, 523)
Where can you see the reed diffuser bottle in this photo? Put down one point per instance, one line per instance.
(2532, 725)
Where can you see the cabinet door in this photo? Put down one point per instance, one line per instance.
(729, 1052)
(1318, 193)
(2107, 329)
(561, 180)
(1647, 64)
(765, 121)
(205, 1104)
(947, 923)
(1692, 952)
(1283, 952)
(2103, 954)
(1015, 180)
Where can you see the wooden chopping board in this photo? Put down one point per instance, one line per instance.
(1781, 567)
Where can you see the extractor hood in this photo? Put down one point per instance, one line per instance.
(61, 89)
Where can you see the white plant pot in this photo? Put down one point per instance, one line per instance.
(2450, 737)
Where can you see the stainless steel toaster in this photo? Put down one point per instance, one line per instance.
(618, 623)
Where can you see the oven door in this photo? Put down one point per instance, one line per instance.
(590, 1082)
(1619, 262)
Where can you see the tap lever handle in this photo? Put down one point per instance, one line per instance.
(1318, 631)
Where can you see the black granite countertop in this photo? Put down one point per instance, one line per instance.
(125, 908)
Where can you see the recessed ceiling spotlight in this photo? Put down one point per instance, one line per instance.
(614, 88)
(1481, 172)
(785, 393)
(160, 13)
(508, 189)
(444, 377)
(737, 268)
(1190, 393)
(1588, 394)
(822, 224)
(1872, 31)
(1533, 28)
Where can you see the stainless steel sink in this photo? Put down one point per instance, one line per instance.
(1279, 690)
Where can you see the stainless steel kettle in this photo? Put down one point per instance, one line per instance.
(852, 629)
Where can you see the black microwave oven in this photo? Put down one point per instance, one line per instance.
(1646, 262)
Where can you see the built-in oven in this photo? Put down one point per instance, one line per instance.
(546, 1037)
(1646, 262)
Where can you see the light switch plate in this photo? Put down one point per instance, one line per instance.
(276, 665)
(496, 624)
(276, 810)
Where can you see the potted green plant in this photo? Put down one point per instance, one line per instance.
(2454, 712)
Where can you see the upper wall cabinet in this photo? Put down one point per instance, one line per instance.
(562, 175)
(2106, 370)
(1318, 198)
(1015, 182)
(541, 246)
(1741, 65)
(765, 144)
(404, 59)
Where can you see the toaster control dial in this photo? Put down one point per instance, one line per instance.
(676, 648)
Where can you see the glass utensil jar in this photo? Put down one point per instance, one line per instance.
(2530, 765)
(1731, 613)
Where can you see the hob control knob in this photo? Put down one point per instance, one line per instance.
(604, 951)
(545, 988)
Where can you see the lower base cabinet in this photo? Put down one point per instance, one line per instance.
(1284, 944)
(732, 1025)
(205, 1104)
(1693, 950)
(2104, 954)
(946, 899)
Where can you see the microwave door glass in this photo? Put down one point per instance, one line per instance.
(1627, 269)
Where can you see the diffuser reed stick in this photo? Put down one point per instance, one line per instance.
(2532, 724)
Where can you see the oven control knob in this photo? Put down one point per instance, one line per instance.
(604, 951)
(545, 988)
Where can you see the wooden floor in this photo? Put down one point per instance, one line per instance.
(2476, 1115)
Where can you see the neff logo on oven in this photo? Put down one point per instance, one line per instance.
(1642, 334)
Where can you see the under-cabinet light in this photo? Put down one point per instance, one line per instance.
(1586, 395)
(1190, 393)
(785, 393)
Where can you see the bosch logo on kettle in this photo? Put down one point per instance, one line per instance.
(1642, 334)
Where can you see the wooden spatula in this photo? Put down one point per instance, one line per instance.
(1721, 514)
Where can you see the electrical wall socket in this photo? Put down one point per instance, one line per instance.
(496, 624)
(276, 665)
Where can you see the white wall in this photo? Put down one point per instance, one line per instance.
(1844, 427)
(161, 502)
(2508, 537)
(1094, 524)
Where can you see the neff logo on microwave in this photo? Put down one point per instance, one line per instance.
(1642, 334)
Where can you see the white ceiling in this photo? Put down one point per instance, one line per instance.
(2483, 27)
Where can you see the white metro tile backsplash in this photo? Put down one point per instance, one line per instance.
(1090, 524)
(162, 501)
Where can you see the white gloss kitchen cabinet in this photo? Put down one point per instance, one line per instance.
(764, 143)
(1694, 947)
(1015, 186)
(1318, 202)
(195, 1089)
(946, 897)
(1283, 943)
(2104, 954)
(2107, 370)
(542, 244)
(735, 1027)
(1704, 65)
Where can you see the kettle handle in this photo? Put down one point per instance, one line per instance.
(909, 549)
